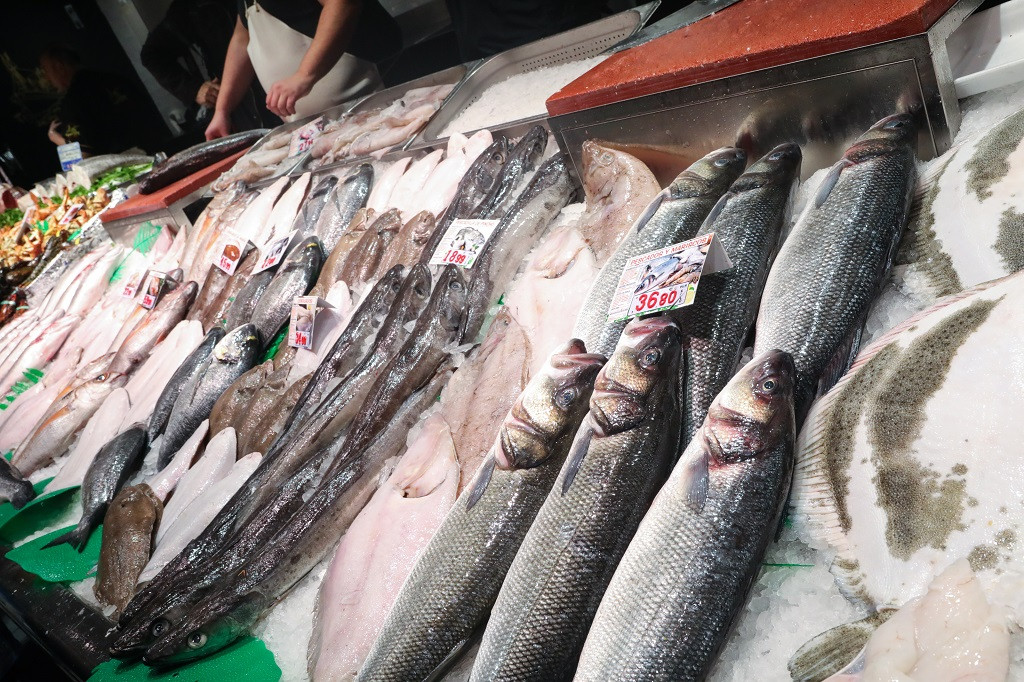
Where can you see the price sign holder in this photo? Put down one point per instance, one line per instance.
(302, 324)
(232, 248)
(134, 283)
(666, 278)
(463, 241)
(154, 287)
(273, 252)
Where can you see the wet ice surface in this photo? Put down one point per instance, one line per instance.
(287, 628)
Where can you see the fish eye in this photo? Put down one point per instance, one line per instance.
(775, 156)
(893, 125)
(102, 377)
(566, 398)
(455, 285)
(159, 627)
(769, 385)
(196, 639)
(721, 162)
(607, 158)
(650, 357)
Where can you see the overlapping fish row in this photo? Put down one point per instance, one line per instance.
(503, 483)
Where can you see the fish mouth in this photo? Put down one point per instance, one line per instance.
(575, 356)
(639, 329)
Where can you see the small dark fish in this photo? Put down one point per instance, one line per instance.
(127, 544)
(188, 368)
(13, 487)
(295, 277)
(114, 465)
(195, 158)
(522, 160)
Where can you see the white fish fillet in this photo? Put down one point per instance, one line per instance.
(214, 465)
(380, 195)
(477, 143)
(28, 410)
(440, 187)
(250, 224)
(283, 215)
(101, 427)
(165, 480)
(27, 336)
(40, 351)
(456, 144)
(379, 550)
(405, 195)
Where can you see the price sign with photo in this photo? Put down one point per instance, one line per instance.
(153, 287)
(463, 241)
(232, 248)
(133, 283)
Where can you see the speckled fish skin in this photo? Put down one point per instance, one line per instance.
(234, 355)
(547, 193)
(248, 297)
(674, 216)
(169, 311)
(331, 271)
(689, 568)
(348, 196)
(749, 223)
(127, 543)
(295, 277)
(114, 465)
(181, 376)
(522, 160)
(454, 583)
(309, 213)
(260, 406)
(838, 255)
(234, 401)
(407, 246)
(364, 258)
(617, 462)
(13, 487)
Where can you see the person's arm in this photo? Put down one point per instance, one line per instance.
(334, 31)
(237, 77)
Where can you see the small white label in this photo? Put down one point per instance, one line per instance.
(70, 214)
(69, 154)
(232, 248)
(154, 285)
(463, 241)
(666, 278)
(133, 283)
(304, 137)
(303, 320)
(273, 252)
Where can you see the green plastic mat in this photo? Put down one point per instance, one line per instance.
(43, 510)
(60, 564)
(275, 344)
(248, 659)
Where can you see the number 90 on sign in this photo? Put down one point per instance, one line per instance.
(655, 300)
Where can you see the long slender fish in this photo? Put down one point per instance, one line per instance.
(188, 369)
(454, 583)
(674, 216)
(837, 256)
(522, 160)
(616, 464)
(689, 569)
(748, 221)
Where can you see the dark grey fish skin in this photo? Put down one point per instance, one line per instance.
(295, 277)
(547, 193)
(349, 195)
(114, 465)
(479, 181)
(189, 368)
(837, 256)
(688, 571)
(749, 221)
(127, 544)
(248, 297)
(522, 160)
(196, 157)
(456, 580)
(213, 315)
(309, 213)
(13, 487)
(216, 280)
(153, 327)
(617, 462)
(674, 216)
(232, 357)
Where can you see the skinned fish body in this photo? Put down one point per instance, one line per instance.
(127, 541)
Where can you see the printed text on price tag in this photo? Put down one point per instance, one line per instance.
(463, 241)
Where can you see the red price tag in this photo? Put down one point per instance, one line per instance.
(148, 300)
(655, 300)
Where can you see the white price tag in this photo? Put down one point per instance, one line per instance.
(273, 252)
(69, 154)
(133, 283)
(154, 285)
(463, 241)
(304, 137)
(232, 248)
(303, 321)
(69, 214)
(667, 278)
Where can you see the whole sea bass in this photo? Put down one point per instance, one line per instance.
(837, 256)
(454, 583)
(616, 464)
(340, 206)
(309, 212)
(295, 277)
(674, 216)
(232, 357)
(691, 564)
(188, 369)
(748, 221)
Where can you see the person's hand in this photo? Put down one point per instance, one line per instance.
(285, 93)
(54, 136)
(207, 95)
(220, 126)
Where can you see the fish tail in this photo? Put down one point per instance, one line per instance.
(76, 538)
(24, 495)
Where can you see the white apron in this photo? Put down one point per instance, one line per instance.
(276, 49)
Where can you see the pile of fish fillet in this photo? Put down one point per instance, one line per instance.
(496, 480)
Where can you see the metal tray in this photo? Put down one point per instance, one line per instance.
(575, 44)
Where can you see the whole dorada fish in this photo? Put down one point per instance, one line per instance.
(522, 161)
(673, 216)
(181, 377)
(837, 256)
(13, 486)
(365, 256)
(549, 190)
(748, 221)
(454, 583)
(169, 311)
(617, 461)
(618, 187)
(689, 568)
(114, 465)
(294, 278)
(127, 543)
(331, 271)
(231, 357)
(65, 418)
(341, 205)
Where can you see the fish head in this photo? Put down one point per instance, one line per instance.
(710, 175)
(324, 186)
(629, 387)
(448, 300)
(423, 224)
(486, 169)
(531, 146)
(363, 174)
(780, 165)
(388, 221)
(135, 636)
(383, 294)
(891, 133)
(211, 625)
(552, 405)
(415, 291)
(755, 409)
(602, 168)
(239, 345)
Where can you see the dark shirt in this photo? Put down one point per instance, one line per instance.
(486, 27)
(377, 36)
(107, 113)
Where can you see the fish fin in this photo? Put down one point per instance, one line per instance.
(841, 361)
(831, 651)
(829, 182)
(483, 477)
(580, 446)
(461, 649)
(695, 481)
(716, 210)
(651, 209)
(77, 538)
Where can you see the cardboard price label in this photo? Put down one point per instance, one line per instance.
(71, 213)
(69, 154)
(304, 137)
(273, 252)
(231, 251)
(463, 241)
(303, 321)
(666, 278)
(154, 286)
(133, 283)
